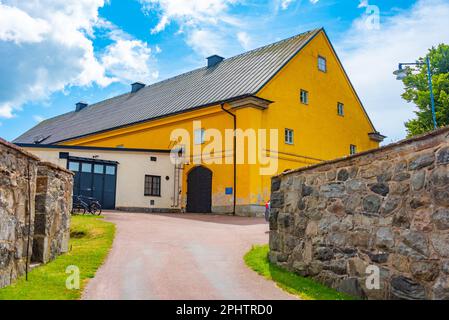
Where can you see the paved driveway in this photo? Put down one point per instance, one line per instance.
(182, 257)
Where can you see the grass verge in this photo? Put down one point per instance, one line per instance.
(304, 288)
(91, 240)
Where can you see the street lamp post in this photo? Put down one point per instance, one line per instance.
(401, 73)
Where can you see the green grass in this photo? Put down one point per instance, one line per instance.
(304, 288)
(91, 240)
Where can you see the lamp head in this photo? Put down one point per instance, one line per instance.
(401, 73)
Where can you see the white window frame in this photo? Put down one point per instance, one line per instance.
(320, 59)
(352, 149)
(341, 109)
(289, 136)
(304, 96)
(199, 136)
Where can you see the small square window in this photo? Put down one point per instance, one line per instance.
(322, 64)
(353, 149)
(304, 97)
(98, 169)
(288, 136)
(340, 109)
(199, 135)
(86, 167)
(152, 186)
(74, 166)
(153, 159)
(110, 170)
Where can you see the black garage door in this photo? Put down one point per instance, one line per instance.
(199, 190)
(96, 179)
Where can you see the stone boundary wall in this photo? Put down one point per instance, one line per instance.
(14, 212)
(16, 188)
(53, 207)
(387, 208)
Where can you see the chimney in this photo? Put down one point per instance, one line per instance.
(214, 60)
(136, 86)
(80, 106)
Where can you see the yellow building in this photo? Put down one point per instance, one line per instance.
(296, 86)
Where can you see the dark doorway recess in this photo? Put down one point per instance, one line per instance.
(199, 190)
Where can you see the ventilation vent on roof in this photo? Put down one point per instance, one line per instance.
(214, 60)
(80, 106)
(136, 86)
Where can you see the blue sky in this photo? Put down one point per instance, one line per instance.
(54, 54)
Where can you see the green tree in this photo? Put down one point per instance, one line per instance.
(417, 91)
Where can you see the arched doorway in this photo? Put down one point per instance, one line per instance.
(199, 190)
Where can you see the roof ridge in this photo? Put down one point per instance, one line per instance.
(275, 43)
(226, 59)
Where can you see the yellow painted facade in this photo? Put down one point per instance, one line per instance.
(319, 132)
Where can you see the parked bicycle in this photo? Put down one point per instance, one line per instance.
(83, 205)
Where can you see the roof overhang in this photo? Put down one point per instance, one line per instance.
(250, 102)
(376, 136)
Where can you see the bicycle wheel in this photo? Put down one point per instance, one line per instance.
(78, 209)
(95, 209)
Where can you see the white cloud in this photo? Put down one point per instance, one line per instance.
(38, 118)
(285, 4)
(371, 56)
(244, 40)
(189, 13)
(205, 42)
(47, 46)
(16, 25)
(200, 21)
(129, 60)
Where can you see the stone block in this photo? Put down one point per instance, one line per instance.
(440, 243)
(352, 287)
(422, 161)
(425, 270)
(443, 156)
(441, 218)
(403, 288)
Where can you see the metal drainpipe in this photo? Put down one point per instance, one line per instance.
(234, 155)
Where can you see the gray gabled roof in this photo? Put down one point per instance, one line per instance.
(239, 76)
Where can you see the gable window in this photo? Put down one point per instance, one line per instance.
(340, 109)
(152, 186)
(352, 149)
(288, 136)
(199, 135)
(304, 96)
(322, 64)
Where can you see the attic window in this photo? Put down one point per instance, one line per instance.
(304, 97)
(322, 64)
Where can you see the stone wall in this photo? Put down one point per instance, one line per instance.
(53, 207)
(387, 208)
(46, 220)
(14, 211)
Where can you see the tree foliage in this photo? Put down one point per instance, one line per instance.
(417, 91)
